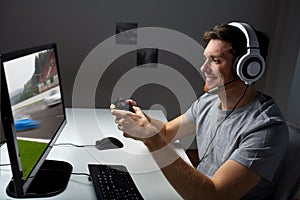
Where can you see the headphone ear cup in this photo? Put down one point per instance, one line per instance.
(250, 68)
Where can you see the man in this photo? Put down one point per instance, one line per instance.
(241, 135)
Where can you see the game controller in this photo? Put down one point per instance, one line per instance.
(121, 104)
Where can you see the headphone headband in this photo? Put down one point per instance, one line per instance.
(250, 34)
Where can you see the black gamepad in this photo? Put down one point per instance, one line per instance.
(121, 104)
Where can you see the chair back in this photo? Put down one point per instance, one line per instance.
(289, 181)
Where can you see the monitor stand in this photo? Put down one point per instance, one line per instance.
(51, 179)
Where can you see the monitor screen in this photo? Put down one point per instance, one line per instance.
(36, 108)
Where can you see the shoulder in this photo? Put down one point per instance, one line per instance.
(261, 114)
(201, 106)
(266, 101)
(206, 100)
(268, 109)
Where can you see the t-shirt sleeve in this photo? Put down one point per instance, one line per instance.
(261, 150)
(190, 114)
(200, 108)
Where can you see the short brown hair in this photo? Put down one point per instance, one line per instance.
(230, 34)
(237, 38)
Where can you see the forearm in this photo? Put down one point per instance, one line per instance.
(159, 125)
(188, 182)
(174, 129)
(185, 179)
(156, 123)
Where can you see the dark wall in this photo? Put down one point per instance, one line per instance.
(78, 27)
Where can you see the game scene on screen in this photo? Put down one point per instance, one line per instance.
(34, 92)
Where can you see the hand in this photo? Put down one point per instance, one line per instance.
(134, 125)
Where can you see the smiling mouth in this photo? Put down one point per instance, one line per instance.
(210, 79)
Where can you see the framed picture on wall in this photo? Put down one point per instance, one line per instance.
(147, 57)
(126, 33)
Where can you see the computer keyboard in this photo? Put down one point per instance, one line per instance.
(113, 182)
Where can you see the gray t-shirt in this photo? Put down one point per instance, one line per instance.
(254, 135)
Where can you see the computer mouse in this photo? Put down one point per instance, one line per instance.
(109, 143)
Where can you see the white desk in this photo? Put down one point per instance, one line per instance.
(84, 127)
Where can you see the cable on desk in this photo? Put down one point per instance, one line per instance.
(80, 174)
(72, 173)
(3, 165)
(75, 145)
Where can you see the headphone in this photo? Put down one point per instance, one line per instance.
(250, 66)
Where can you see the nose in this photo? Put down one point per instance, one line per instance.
(205, 66)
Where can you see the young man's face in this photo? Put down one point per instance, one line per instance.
(217, 67)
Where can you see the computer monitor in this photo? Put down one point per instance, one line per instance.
(2, 137)
(33, 115)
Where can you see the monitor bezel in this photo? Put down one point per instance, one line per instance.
(20, 185)
(2, 136)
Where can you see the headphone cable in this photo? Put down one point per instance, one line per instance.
(206, 153)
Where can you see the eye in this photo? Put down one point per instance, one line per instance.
(216, 60)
